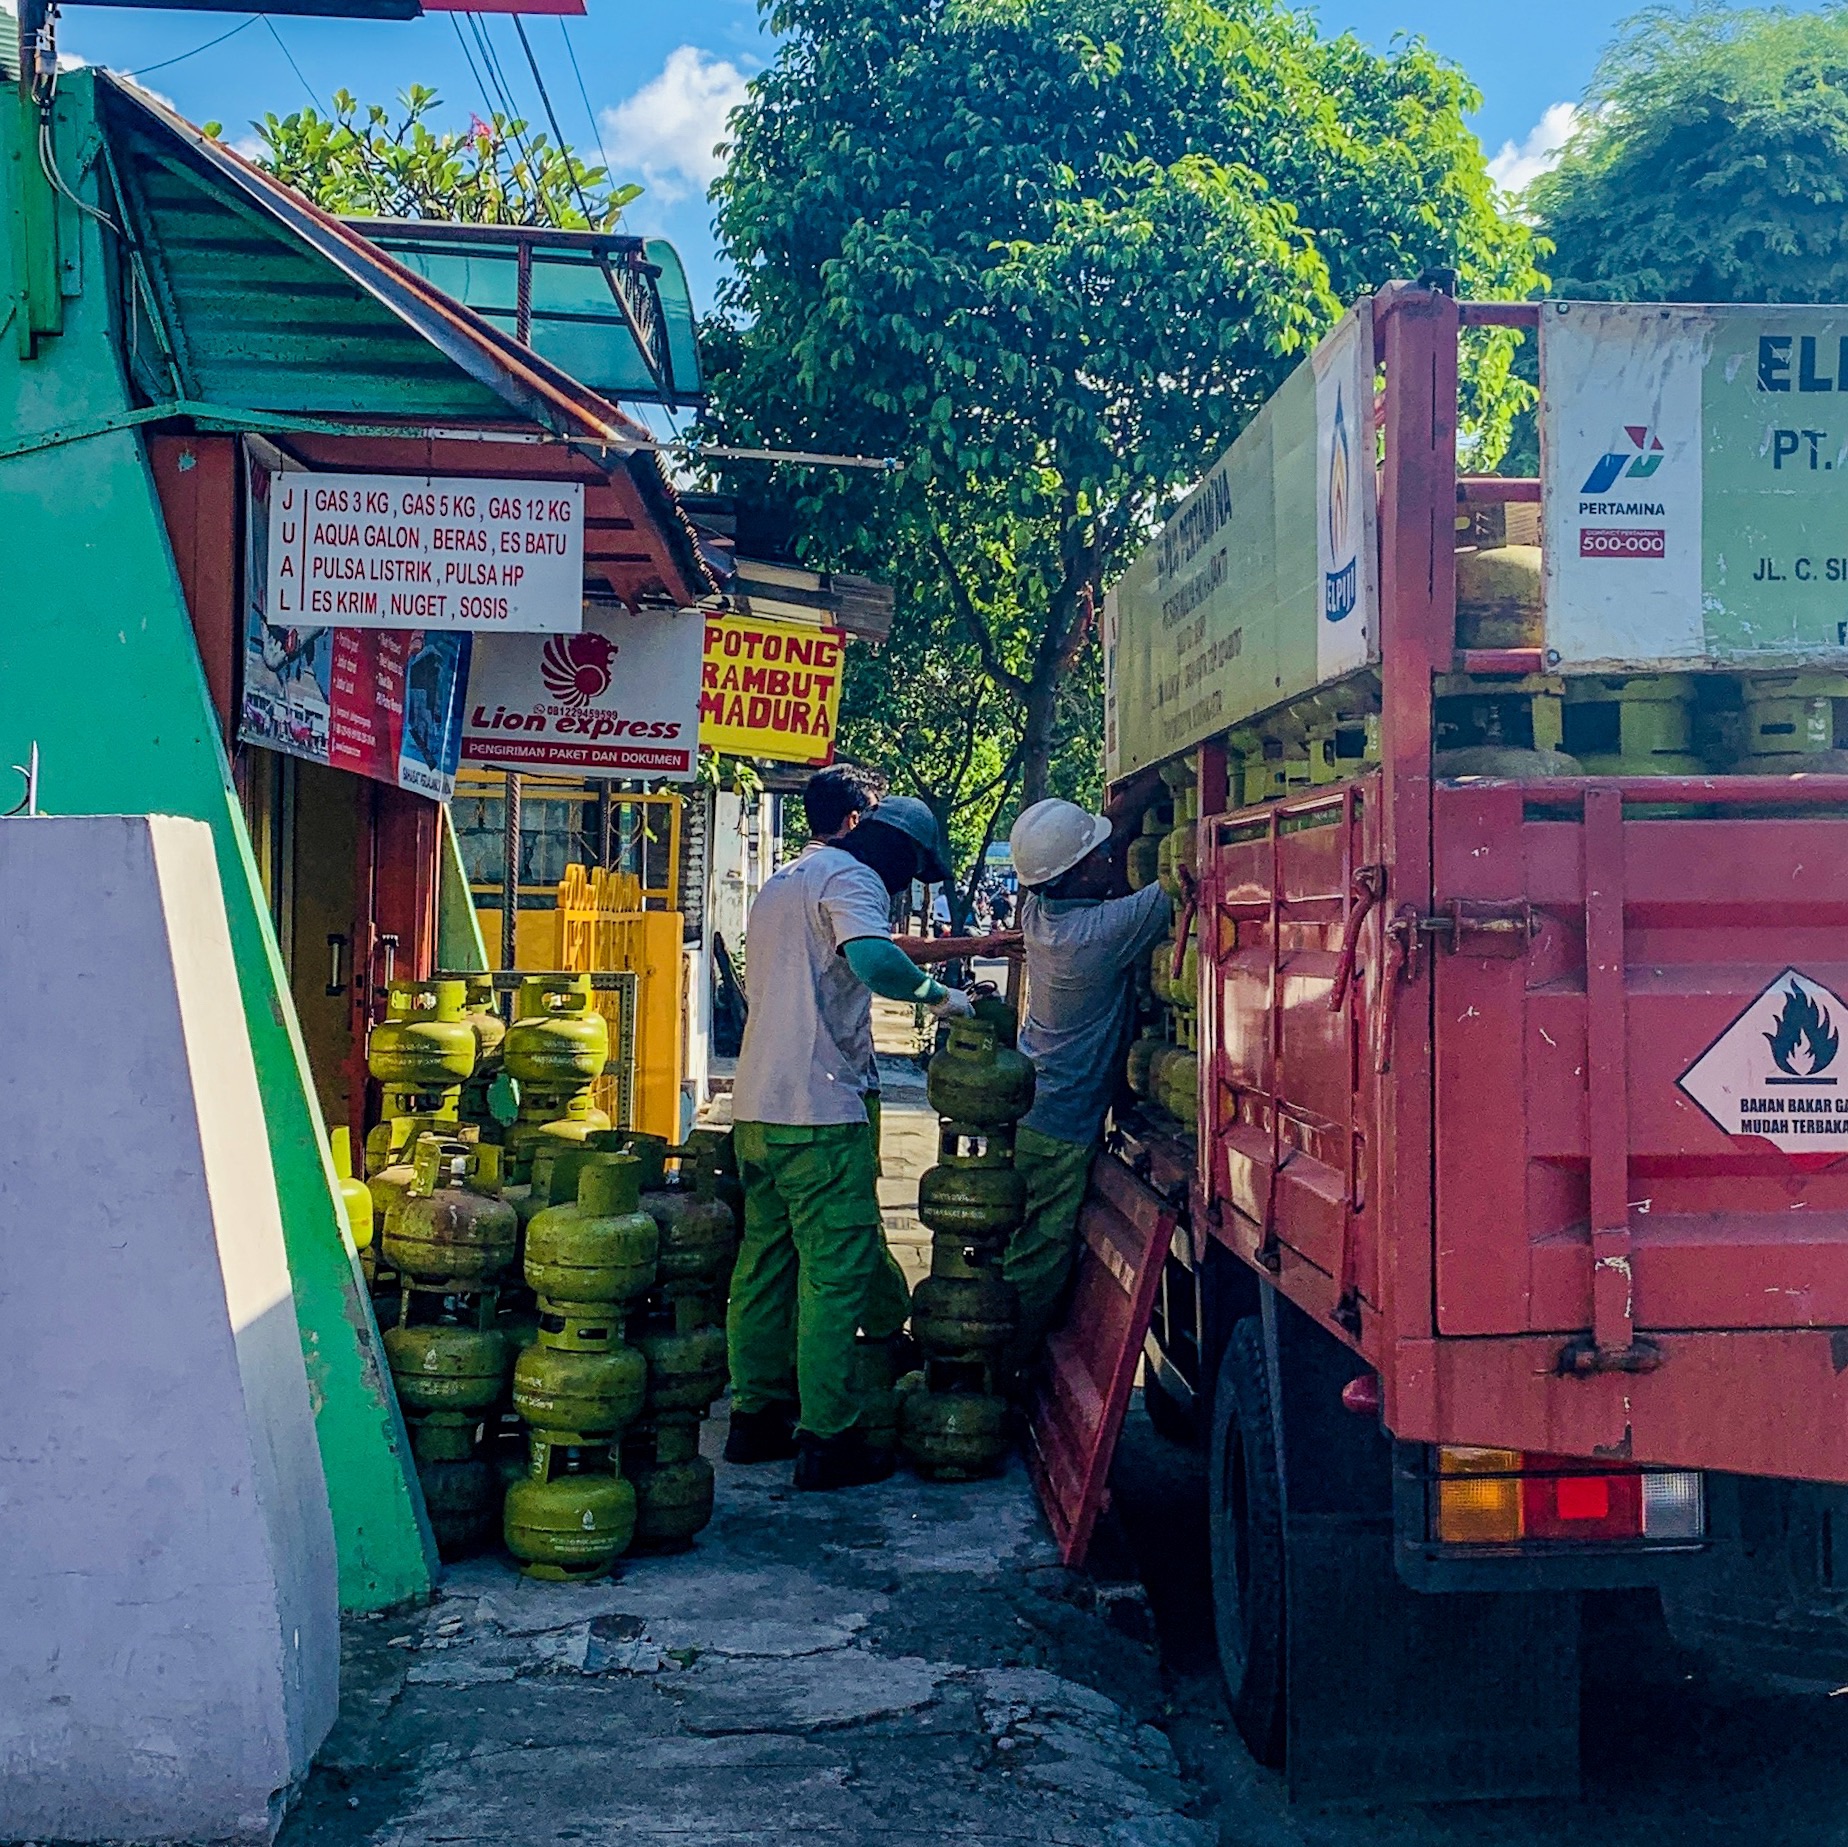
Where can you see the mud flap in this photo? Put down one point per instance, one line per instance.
(1394, 1695)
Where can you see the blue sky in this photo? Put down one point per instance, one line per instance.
(658, 81)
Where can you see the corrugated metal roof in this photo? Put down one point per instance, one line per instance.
(268, 302)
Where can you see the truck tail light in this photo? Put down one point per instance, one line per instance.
(1504, 1496)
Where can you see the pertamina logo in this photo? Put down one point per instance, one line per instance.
(1340, 586)
(577, 668)
(1771, 1076)
(1643, 458)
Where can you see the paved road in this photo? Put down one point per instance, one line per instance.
(901, 1664)
(1675, 1754)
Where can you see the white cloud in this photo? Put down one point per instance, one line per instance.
(666, 132)
(1516, 166)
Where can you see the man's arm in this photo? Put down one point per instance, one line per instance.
(885, 968)
(948, 948)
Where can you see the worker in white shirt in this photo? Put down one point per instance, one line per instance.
(811, 1255)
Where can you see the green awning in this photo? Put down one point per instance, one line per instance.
(612, 311)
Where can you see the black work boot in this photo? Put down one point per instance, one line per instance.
(768, 1435)
(845, 1461)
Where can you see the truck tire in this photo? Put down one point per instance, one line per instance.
(1245, 1510)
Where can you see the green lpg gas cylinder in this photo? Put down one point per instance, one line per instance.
(444, 1367)
(558, 1040)
(1161, 960)
(1144, 859)
(451, 1225)
(1139, 1064)
(952, 1436)
(672, 1482)
(714, 1149)
(443, 1436)
(1179, 1094)
(599, 1247)
(423, 1044)
(567, 1525)
(355, 1198)
(975, 1079)
(973, 1192)
(1500, 602)
(462, 1500)
(650, 1150)
(1184, 989)
(579, 1383)
(964, 1317)
(686, 1356)
(698, 1232)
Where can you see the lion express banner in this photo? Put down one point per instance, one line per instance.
(1264, 584)
(1695, 479)
(620, 699)
(770, 689)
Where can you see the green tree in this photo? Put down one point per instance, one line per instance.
(1052, 255)
(365, 161)
(1711, 163)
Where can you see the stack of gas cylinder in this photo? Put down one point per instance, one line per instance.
(450, 1239)
(422, 1053)
(581, 1384)
(602, 1304)
(952, 1415)
(679, 1326)
(1163, 1063)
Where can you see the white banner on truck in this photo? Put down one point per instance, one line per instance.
(1346, 506)
(620, 699)
(1620, 431)
(408, 551)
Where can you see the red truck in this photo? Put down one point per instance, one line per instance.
(1510, 1247)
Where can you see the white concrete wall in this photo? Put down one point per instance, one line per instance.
(169, 1631)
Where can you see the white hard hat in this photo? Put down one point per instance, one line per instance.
(1051, 837)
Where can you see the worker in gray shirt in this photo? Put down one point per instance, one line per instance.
(1083, 944)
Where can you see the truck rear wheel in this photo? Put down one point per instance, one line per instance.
(1246, 1514)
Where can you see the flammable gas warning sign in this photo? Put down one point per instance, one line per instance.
(1778, 1073)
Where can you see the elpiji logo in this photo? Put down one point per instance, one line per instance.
(1644, 458)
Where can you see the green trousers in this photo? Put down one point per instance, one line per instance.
(812, 1269)
(1038, 1261)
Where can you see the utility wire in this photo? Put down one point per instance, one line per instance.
(590, 115)
(505, 91)
(148, 69)
(551, 115)
(313, 100)
(480, 86)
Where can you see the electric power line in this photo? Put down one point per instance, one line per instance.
(148, 69)
(313, 100)
(551, 115)
(504, 90)
(590, 115)
(469, 57)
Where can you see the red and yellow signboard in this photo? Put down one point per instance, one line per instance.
(770, 689)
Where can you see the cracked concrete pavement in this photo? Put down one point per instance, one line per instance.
(908, 1662)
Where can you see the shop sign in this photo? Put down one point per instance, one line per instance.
(619, 699)
(384, 703)
(430, 552)
(1695, 482)
(1263, 584)
(771, 689)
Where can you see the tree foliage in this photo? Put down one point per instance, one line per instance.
(1711, 163)
(1052, 255)
(365, 161)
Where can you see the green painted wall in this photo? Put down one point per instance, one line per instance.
(98, 666)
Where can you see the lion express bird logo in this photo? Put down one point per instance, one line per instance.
(577, 668)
